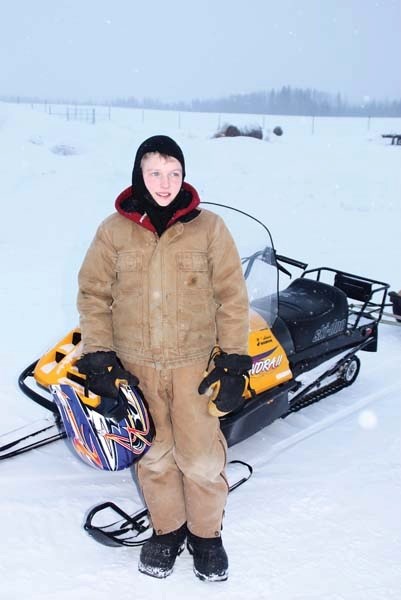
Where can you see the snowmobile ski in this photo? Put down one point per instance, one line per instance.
(133, 530)
(29, 437)
(27, 373)
(394, 322)
(386, 317)
(391, 318)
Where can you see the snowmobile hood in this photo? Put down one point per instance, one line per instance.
(125, 205)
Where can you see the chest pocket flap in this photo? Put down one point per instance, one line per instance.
(129, 261)
(192, 261)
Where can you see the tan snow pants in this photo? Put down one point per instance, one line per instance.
(182, 475)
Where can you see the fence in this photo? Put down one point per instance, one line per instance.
(90, 114)
(212, 122)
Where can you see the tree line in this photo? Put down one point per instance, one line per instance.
(285, 101)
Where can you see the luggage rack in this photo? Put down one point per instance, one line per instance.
(370, 294)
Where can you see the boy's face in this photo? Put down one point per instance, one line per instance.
(162, 177)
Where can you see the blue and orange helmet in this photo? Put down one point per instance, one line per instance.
(102, 442)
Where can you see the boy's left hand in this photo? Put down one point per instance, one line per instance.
(227, 382)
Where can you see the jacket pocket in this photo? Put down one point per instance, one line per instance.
(129, 272)
(127, 309)
(193, 272)
(195, 304)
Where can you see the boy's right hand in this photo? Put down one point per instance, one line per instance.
(104, 374)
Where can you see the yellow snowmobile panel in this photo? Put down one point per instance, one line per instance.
(58, 366)
(270, 363)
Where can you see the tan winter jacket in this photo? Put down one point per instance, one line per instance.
(165, 301)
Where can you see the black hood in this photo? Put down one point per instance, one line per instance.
(157, 143)
(160, 216)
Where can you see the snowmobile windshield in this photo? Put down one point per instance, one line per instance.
(256, 249)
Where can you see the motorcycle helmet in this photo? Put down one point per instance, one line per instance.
(99, 441)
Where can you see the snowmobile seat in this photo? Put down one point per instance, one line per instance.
(313, 311)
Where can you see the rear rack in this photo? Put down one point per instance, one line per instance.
(369, 293)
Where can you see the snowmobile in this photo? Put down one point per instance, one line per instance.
(395, 303)
(304, 339)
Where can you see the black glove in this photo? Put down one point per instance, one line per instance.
(229, 380)
(104, 374)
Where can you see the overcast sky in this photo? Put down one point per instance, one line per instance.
(183, 49)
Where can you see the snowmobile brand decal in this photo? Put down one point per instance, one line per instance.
(267, 364)
(262, 341)
(329, 329)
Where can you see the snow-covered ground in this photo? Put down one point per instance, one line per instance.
(319, 519)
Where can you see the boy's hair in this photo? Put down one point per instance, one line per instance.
(165, 156)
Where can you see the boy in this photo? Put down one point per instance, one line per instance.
(161, 286)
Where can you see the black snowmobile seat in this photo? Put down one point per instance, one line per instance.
(313, 311)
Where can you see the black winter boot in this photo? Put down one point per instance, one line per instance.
(158, 554)
(210, 558)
